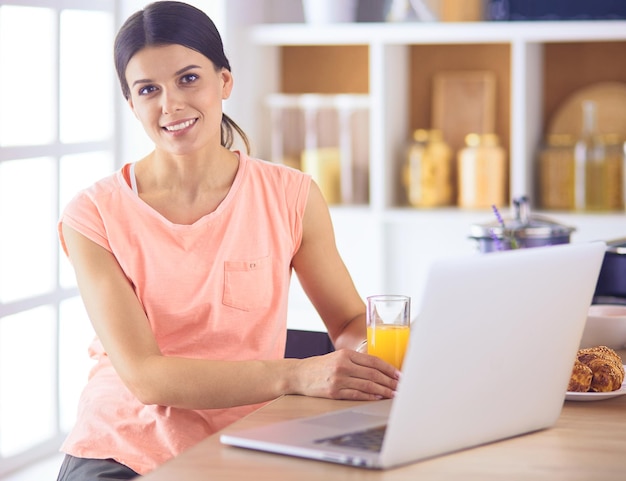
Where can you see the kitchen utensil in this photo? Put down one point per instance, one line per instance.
(463, 102)
(526, 229)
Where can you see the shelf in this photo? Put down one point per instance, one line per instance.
(331, 59)
(439, 33)
(386, 246)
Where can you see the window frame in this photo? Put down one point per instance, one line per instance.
(57, 150)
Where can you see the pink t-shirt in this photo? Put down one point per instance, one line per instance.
(216, 289)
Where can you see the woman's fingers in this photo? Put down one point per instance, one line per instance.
(347, 374)
(369, 378)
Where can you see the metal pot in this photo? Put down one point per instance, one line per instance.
(522, 231)
(611, 286)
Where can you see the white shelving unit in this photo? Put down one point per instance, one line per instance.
(388, 248)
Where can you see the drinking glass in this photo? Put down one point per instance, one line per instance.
(388, 327)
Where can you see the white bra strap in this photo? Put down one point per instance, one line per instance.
(133, 179)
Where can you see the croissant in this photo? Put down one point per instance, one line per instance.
(606, 368)
(580, 381)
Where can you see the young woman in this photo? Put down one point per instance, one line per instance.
(183, 260)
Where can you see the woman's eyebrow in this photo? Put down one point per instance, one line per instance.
(188, 67)
(178, 72)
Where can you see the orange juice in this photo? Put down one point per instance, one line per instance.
(388, 342)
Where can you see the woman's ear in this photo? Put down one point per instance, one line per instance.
(227, 83)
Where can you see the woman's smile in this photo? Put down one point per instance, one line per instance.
(180, 127)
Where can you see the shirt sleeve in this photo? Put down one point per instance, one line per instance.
(301, 198)
(82, 214)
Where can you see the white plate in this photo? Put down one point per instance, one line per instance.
(595, 396)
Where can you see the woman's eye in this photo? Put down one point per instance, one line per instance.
(148, 89)
(189, 78)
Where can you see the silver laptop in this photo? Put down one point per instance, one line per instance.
(490, 356)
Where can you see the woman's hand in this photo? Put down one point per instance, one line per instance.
(347, 374)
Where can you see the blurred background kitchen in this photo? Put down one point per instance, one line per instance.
(415, 117)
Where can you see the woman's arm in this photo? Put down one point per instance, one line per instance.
(324, 276)
(123, 329)
(326, 280)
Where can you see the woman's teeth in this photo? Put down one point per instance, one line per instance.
(182, 125)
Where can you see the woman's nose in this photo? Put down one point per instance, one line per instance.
(171, 101)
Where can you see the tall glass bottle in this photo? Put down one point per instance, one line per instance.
(589, 154)
(613, 172)
(599, 166)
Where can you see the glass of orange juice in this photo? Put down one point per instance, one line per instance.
(388, 327)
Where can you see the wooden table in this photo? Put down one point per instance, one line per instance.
(587, 443)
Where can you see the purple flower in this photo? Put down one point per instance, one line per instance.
(511, 238)
(498, 216)
(496, 240)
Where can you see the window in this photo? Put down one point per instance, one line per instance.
(58, 121)
(57, 116)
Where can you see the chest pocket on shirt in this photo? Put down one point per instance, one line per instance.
(248, 284)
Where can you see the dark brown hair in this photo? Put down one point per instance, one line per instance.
(174, 23)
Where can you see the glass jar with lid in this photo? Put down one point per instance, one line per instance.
(557, 173)
(427, 170)
(482, 172)
(604, 174)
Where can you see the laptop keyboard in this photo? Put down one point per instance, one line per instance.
(368, 440)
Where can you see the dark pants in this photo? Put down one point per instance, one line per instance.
(79, 469)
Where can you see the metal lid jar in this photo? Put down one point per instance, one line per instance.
(522, 231)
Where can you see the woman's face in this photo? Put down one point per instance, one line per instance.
(176, 93)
